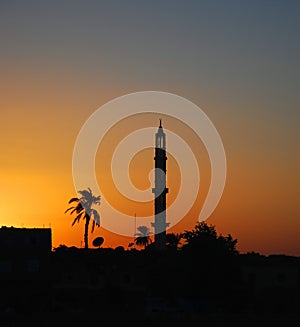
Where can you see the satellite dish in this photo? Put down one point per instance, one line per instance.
(98, 241)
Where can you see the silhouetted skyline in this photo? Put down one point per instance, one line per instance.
(237, 60)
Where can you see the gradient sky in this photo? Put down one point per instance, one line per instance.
(237, 60)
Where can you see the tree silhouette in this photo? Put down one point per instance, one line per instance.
(82, 208)
(174, 240)
(205, 239)
(143, 236)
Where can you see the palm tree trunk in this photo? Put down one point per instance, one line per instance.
(86, 233)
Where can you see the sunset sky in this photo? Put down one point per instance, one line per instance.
(237, 60)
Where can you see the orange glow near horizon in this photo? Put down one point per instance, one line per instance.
(60, 63)
(36, 174)
(32, 197)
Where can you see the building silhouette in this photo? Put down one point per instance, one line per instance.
(25, 269)
(160, 190)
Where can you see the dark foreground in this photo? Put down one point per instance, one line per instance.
(203, 284)
(95, 320)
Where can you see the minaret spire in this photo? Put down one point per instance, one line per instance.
(160, 190)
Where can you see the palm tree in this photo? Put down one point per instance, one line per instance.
(143, 236)
(82, 208)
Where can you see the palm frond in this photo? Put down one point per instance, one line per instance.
(79, 207)
(96, 216)
(144, 230)
(74, 209)
(73, 200)
(96, 199)
(75, 220)
(139, 235)
(69, 209)
(93, 226)
(85, 194)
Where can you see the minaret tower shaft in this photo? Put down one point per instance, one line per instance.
(160, 190)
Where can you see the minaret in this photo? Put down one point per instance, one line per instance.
(160, 191)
